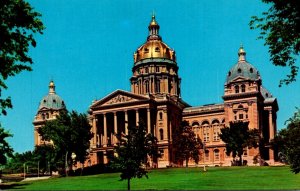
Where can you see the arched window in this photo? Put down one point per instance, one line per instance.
(161, 134)
(147, 86)
(195, 126)
(237, 89)
(47, 115)
(216, 155)
(243, 87)
(156, 49)
(206, 155)
(43, 116)
(206, 129)
(216, 130)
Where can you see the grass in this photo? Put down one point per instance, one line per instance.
(217, 178)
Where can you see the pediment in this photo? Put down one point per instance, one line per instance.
(239, 78)
(119, 97)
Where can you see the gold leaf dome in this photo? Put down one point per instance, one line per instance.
(154, 47)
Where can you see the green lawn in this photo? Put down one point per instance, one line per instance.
(217, 178)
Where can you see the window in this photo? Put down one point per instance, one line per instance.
(206, 134)
(147, 86)
(207, 155)
(157, 86)
(241, 116)
(239, 70)
(195, 126)
(156, 49)
(157, 69)
(217, 155)
(47, 115)
(146, 70)
(216, 133)
(146, 50)
(237, 89)
(251, 70)
(161, 134)
(243, 88)
(160, 115)
(216, 129)
(229, 73)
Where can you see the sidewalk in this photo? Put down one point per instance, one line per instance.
(36, 178)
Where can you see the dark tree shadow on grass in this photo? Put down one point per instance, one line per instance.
(14, 186)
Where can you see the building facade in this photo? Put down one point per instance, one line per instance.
(49, 108)
(155, 101)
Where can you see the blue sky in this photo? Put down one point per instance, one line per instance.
(87, 49)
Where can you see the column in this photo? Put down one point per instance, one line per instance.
(148, 120)
(271, 136)
(126, 123)
(137, 117)
(115, 128)
(94, 131)
(271, 127)
(105, 130)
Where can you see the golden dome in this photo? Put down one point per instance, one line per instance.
(154, 47)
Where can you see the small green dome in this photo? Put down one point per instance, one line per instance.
(52, 100)
(242, 69)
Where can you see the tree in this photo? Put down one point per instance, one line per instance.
(132, 152)
(187, 145)
(5, 149)
(237, 137)
(280, 28)
(70, 133)
(288, 142)
(45, 156)
(18, 24)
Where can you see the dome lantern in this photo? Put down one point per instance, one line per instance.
(153, 29)
(51, 87)
(242, 53)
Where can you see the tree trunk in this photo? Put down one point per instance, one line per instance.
(241, 161)
(66, 164)
(128, 184)
(186, 162)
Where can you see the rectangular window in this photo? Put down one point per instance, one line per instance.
(241, 116)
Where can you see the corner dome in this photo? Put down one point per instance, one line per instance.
(242, 69)
(154, 47)
(52, 100)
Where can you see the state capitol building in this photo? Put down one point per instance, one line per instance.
(155, 99)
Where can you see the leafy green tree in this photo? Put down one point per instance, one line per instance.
(70, 133)
(237, 137)
(132, 152)
(5, 149)
(288, 142)
(19, 22)
(187, 145)
(45, 156)
(19, 160)
(280, 28)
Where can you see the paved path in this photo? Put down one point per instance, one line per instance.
(36, 178)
